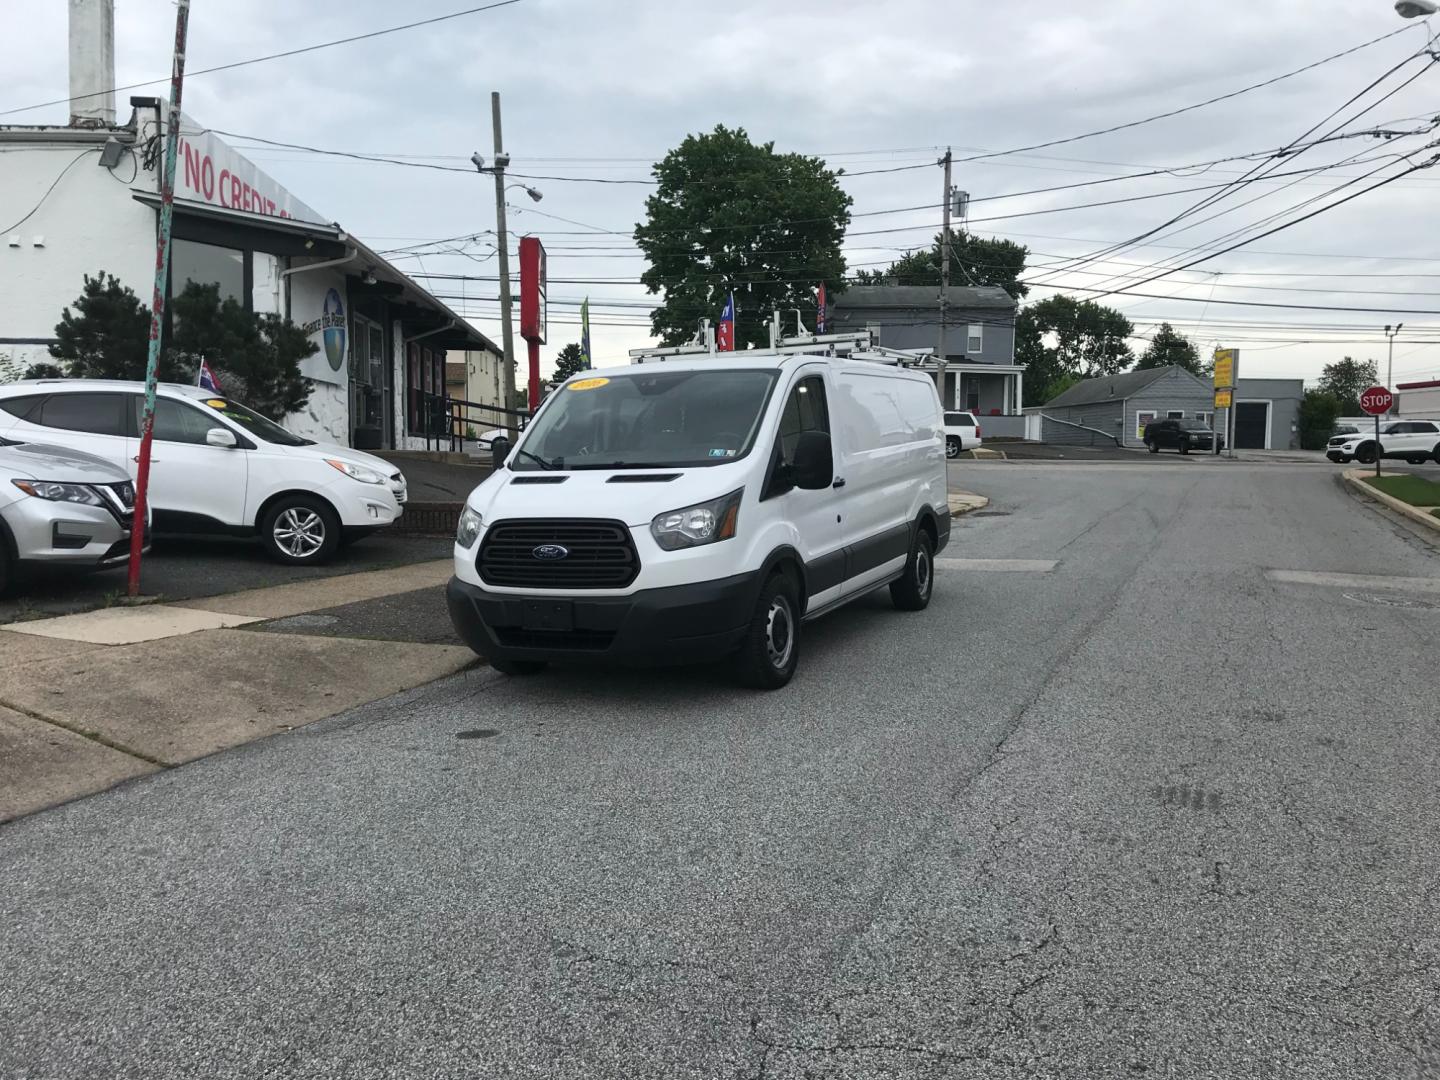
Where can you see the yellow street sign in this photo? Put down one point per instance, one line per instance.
(1224, 368)
(1222, 399)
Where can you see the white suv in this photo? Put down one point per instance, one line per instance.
(1415, 441)
(216, 466)
(962, 432)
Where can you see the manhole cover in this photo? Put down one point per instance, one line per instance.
(307, 621)
(477, 733)
(1386, 600)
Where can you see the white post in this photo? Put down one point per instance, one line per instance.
(1019, 391)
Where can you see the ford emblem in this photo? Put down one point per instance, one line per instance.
(550, 551)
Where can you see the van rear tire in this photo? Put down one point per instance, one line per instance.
(770, 649)
(913, 589)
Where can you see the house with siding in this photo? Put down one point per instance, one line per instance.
(1119, 407)
(981, 373)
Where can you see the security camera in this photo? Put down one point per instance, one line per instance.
(477, 161)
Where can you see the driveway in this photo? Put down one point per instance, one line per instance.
(1121, 802)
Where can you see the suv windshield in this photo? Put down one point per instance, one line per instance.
(648, 419)
(254, 423)
(1194, 425)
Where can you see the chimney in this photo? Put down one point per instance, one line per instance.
(92, 63)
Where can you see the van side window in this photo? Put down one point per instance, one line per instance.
(806, 410)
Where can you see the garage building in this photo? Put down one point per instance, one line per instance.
(1267, 411)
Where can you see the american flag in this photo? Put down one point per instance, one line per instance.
(205, 379)
(725, 332)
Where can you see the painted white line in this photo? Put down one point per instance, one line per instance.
(999, 566)
(125, 625)
(1353, 581)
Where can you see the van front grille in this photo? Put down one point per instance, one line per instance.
(521, 554)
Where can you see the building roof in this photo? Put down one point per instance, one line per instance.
(922, 296)
(1113, 387)
(1428, 384)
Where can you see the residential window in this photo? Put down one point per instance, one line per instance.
(1175, 414)
(975, 340)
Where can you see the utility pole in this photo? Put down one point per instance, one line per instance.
(507, 331)
(944, 282)
(157, 303)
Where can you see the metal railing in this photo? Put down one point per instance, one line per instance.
(460, 422)
(1078, 427)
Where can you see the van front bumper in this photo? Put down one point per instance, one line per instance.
(679, 624)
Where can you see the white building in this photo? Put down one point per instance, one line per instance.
(1418, 399)
(84, 198)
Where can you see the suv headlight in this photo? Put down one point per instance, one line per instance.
(57, 492)
(469, 527)
(363, 473)
(703, 523)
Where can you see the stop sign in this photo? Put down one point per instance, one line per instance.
(1377, 400)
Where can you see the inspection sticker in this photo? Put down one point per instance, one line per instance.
(588, 384)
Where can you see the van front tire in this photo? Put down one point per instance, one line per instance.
(911, 592)
(770, 649)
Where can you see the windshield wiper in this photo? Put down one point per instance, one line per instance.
(540, 460)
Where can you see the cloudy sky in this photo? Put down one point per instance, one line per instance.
(599, 89)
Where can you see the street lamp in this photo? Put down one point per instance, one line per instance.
(532, 192)
(1390, 334)
(1416, 9)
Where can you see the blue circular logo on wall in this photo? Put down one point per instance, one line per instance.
(332, 322)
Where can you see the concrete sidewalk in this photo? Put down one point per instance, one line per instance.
(90, 700)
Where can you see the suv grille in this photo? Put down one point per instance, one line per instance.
(600, 554)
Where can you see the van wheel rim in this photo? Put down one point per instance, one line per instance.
(779, 633)
(299, 532)
(922, 571)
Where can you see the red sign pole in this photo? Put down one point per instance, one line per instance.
(1377, 401)
(157, 304)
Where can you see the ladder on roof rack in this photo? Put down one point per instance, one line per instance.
(854, 345)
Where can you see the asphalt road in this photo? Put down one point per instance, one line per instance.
(1168, 809)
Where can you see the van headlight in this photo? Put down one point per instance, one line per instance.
(469, 527)
(703, 523)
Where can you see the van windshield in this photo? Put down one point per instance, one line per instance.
(648, 419)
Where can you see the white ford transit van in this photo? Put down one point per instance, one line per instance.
(700, 508)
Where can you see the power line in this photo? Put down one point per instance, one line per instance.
(53, 185)
(272, 56)
(1187, 108)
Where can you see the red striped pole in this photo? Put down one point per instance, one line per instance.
(157, 303)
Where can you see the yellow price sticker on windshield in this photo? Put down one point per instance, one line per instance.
(215, 403)
(588, 384)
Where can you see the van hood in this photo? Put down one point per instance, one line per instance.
(592, 494)
(39, 461)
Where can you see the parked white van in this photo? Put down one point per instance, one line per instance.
(701, 507)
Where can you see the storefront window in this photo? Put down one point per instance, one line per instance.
(207, 264)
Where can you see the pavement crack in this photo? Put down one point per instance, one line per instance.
(1034, 950)
(86, 733)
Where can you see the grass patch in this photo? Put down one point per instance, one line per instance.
(1410, 489)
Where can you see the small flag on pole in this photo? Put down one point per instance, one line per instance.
(585, 333)
(205, 379)
(820, 310)
(725, 331)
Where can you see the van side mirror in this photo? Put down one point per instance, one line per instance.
(221, 437)
(814, 464)
(499, 451)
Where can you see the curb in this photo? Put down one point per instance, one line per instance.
(1356, 479)
(965, 502)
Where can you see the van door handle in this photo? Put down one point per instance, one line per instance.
(839, 482)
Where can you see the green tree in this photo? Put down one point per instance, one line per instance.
(106, 335)
(1318, 410)
(1089, 339)
(974, 260)
(1346, 380)
(569, 360)
(256, 357)
(1171, 349)
(730, 215)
